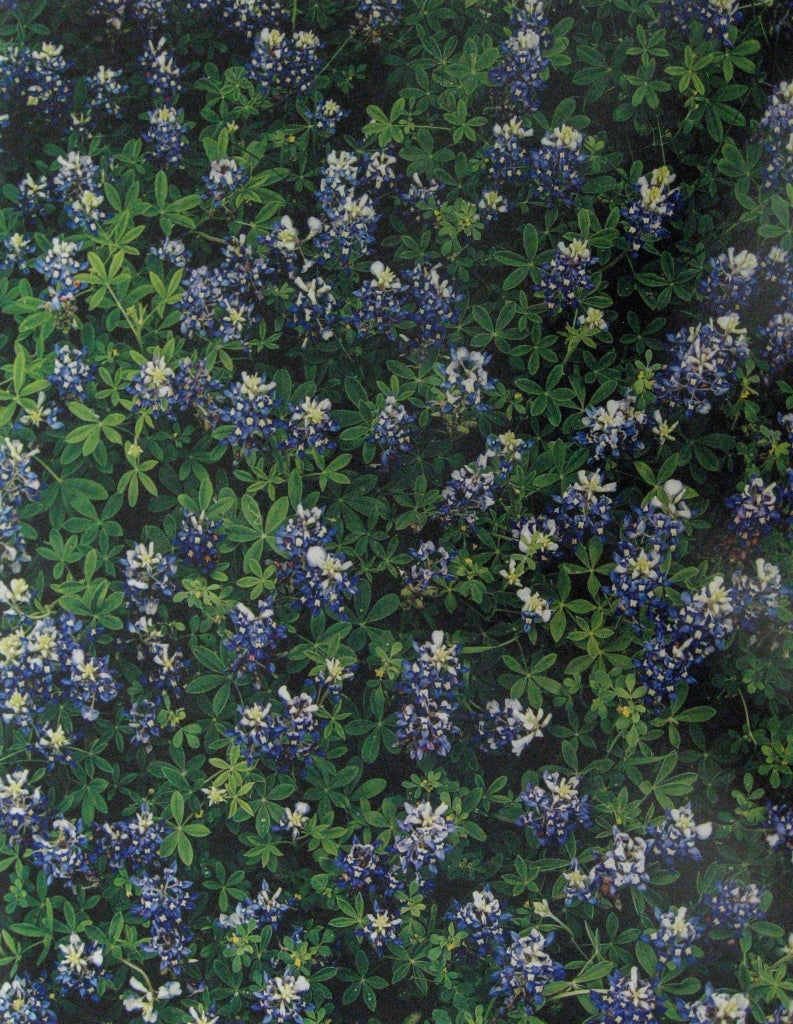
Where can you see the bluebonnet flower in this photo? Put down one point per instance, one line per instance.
(147, 998)
(584, 508)
(423, 725)
(312, 313)
(782, 1015)
(647, 215)
(372, 16)
(362, 868)
(348, 231)
(437, 669)
(776, 126)
(565, 278)
(555, 171)
(676, 837)
(309, 427)
(705, 366)
(379, 928)
(525, 968)
(71, 372)
(89, 681)
(510, 725)
(34, 194)
(378, 173)
(163, 901)
(508, 449)
(80, 967)
(193, 390)
(39, 413)
(777, 337)
(302, 531)
(635, 578)
(61, 851)
(22, 806)
(132, 843)
(419, 200)
(18, 251)
(288, 64)
(466, 380)
(731, 282)
(776, 270)
(25, 1001)
(289, 738)
(52, 744)
(612, 430)
(716, 17)
(721, 1007)
(537, 538)
(483, 920)
(202, 292)
(522, 61)
(623, 864)
(256, 638)
(434, 305)
(391, 432)
(172, 251)
(294, 819)
(381, 305)
(628, 1000)
(327, 115)
(152, 386)
(674, 937)
(323, 582)
(491, 205)
(659, 524)
(251, 412)
(224, 177)
(755, 596)
(266, 908)
(732, 906)
(43, 82)
(166, 134)
(285, 240)
(779, 818)
(59, 265)
(469, 493)
(77, 184)
(148, 576)
(142, 719)
(197, 540)
(161, 72)
(577, 885)
(510, 160)
(535, 608)
(427, 830)
(430, 566)
(105, 89)
(249, 16)
(282, 999)
(19, 482)
(554, 808)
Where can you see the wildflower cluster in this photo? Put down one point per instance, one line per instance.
(396, 497)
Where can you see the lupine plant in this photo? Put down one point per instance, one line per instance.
(396, 502)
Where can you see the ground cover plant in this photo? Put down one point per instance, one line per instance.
(396, 491)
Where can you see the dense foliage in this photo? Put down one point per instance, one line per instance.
(396, 501)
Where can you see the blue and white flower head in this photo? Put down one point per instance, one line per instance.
(145, 999)
(427, 831)
(628, 1000)
(721, 1007)
(674, 937)
(80, 966)
(25, 1001)
(282, 999)
(509, 724)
